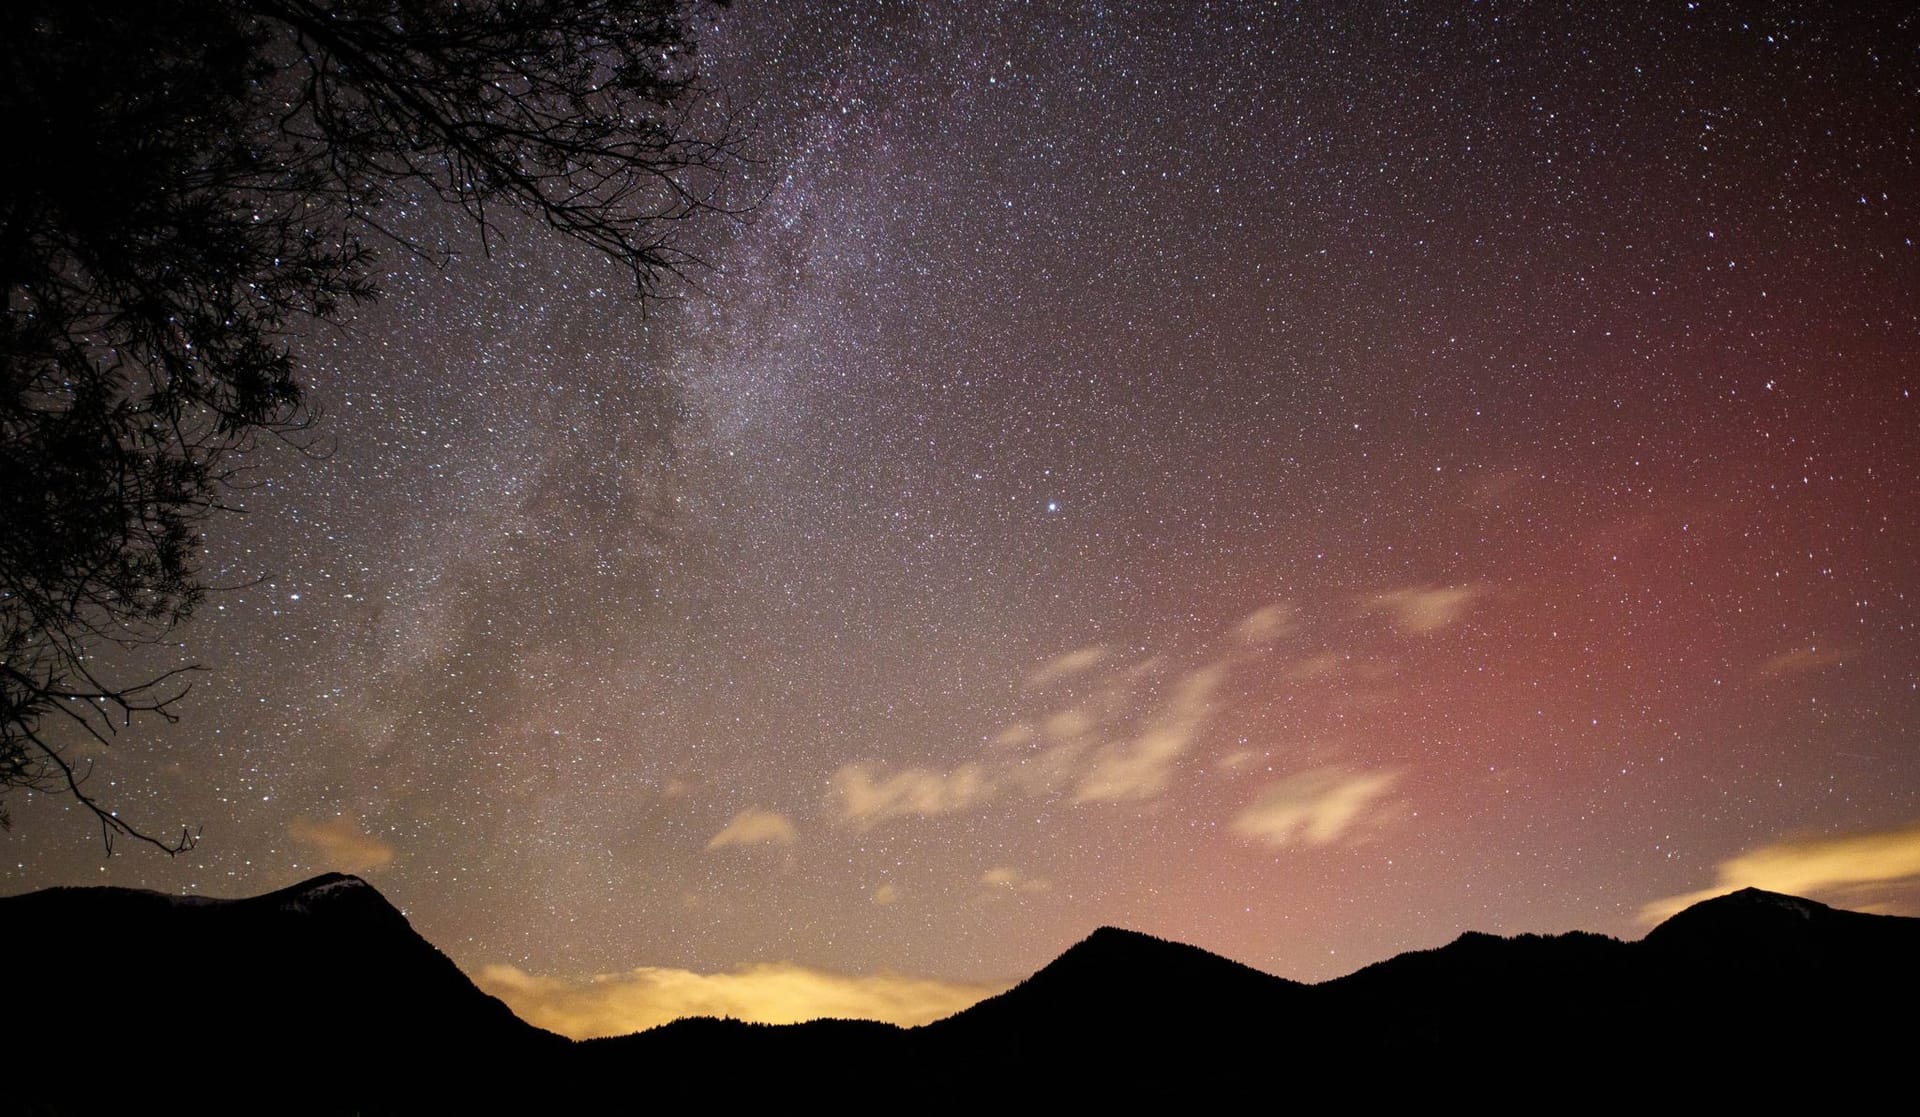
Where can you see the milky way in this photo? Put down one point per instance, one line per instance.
(1297, 480)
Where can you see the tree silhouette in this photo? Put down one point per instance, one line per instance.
(189, 179)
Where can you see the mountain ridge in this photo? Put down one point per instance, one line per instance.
(327, 972)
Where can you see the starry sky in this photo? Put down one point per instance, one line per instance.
(1299, 479)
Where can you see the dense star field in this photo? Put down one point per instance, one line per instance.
(1297, 479)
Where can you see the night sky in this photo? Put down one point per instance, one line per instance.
(1298, 479)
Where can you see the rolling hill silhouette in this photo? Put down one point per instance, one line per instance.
(321, 998)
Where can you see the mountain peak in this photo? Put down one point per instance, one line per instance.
(1121, 936)
(1748, 905)
(325, 879)
(331, 882)
(1114, 951)
(1760, 897)
(329, 892)
(1103, 984)
(1750, 919)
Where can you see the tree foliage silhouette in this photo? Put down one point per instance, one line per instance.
(188, 180)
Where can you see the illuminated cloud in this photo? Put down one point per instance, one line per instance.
(1313, 808)
(755, 827)
(1069, 724)
(1015, 735)
(865, 799)
(1802, 660)
(1859, 864)
(1045, 772)
(1117, 742)
(886, 894)
(1121, 748)
(1136, 769)
(339, 844)
(1265, 624)
(1421, 609)
(771, 993)
(1001, 881)
(1141, 768)
(1316, 666)
(1067, 665)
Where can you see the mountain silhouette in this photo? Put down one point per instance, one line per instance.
(322, 989)
(321, 998)
(1104, 986)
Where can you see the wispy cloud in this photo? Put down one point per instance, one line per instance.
(1019, 733)
(1265, 625)
(755, 827)
(772, 993)
(1120, 735)
(1320, 665)
(1422, 609)
(1124, 745)
(1069, 664)
(1799, 661)
(1003, 881)
(338, 843)
(1315, 807)
(1857, 864)
(866, 798)
(1140, 768)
